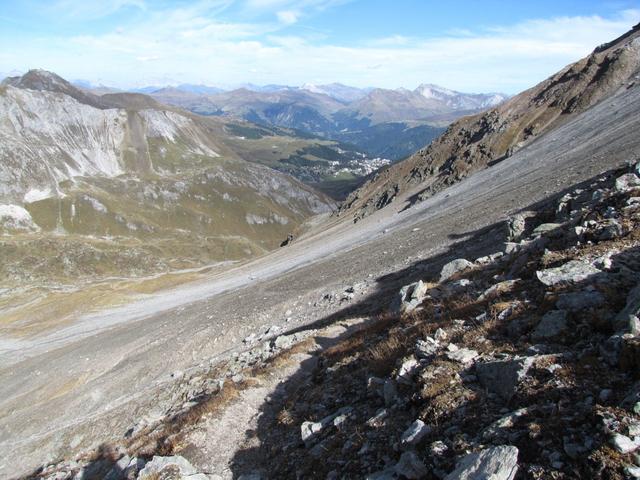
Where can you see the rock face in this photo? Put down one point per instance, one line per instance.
(474, 142)
(497, 463)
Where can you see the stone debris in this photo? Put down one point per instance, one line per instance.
(416, 432)
(170, 468)
(503, 376)
(496, 463)
(454, 267)
(574, 271)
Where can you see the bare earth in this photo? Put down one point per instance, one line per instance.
(89, 382)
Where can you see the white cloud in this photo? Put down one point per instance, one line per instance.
(191, 44)
(287, 17)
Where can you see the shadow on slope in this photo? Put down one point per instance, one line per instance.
(556, 410)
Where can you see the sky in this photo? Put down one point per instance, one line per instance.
(471, 46)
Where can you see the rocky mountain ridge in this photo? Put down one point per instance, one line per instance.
(406, 119)
(479, 141)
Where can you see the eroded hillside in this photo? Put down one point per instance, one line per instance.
(479, 141)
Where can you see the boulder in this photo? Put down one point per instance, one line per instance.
(627, 182)
(466, 356)
(624, 444)
(416, 432)
(496, 463)
(454, 267)
(170, 468)
(571, 272)
(503, 376)
(409, 297)
(547, 229)
(552, 325)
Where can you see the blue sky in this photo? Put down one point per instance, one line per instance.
(466, 45)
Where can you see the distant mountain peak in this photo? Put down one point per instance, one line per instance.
(38, 79)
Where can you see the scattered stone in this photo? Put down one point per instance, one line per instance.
(465, 356)
(454, 267)
(624, 444)
(426, 348)
(496, 463)
(498, 289)
(503, 376)
(571, 272)
(416, 432)
(498, 427)
(407, 371)
(552, 325)
(627, 182)
(547, 228)
(170, 468)
(409, 297)
(610, 229)
(378, 419)
(410, 466)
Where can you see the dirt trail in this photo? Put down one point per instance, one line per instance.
(90, 382)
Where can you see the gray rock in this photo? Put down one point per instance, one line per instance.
(546, 228)
(577, 301)
(517, 225)
(465, 356)
(416, 432)
(170, 468)
(454, 267)
(501, 426)
(624, 444)
(498, 289)
(627, 182)
(410, 466)
(571, 272)
(632, 471)
(407, 371)
(426, 348)
(503, 376)
(632, 308)
(309, 431)
(610, 229)
(409, 297)
(496, 463)
(552, 325)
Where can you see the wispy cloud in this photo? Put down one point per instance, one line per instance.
(197, 43)
(88, 10)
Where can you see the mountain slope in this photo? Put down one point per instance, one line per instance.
(478, 141)
(399, 120)
(131, 186)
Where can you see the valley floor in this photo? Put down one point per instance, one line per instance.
(109, 372)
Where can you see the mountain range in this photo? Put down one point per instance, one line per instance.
(387, 123)
(125, 185)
